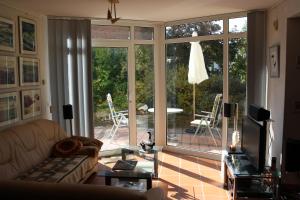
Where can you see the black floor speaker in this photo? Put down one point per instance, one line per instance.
(68, 111)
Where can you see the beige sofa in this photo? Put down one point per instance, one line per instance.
(25, 155)
(28, 172)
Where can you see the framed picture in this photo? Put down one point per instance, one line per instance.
(9, 108)
(31, 103)
(29, 71)
(7, 34)
(28, 36)
(8, 72)
(274, 61)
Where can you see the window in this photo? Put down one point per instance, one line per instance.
(117, 59)
(182, 95)
(196, 98)
(144, 87)
(202, 28)
(238, 25)
(237, 80)
(110, 32)
(143, 33)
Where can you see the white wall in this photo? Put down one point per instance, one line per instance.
(42, 48)
(276, 86)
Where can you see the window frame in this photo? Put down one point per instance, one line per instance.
(130, 44)
(226, 37)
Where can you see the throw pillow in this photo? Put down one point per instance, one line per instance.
(66, 147)
(89, 141)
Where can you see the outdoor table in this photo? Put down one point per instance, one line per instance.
(169, 110)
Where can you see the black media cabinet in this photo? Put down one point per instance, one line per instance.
(244, 181)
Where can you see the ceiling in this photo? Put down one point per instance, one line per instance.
(151, 10)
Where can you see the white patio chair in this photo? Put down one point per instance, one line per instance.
(209, 120)
(119, 118)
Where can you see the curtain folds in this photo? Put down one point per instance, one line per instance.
(256, 70)
(70, 72)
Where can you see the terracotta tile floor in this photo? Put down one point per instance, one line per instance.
(186, 177)
(189, 177)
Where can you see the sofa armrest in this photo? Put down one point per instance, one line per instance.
(91, 151)
(89, 141)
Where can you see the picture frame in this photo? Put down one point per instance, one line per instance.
(31, 103)
(274, 61)
(7, 35)
(8, 72)
(29, 71)
(9, 108)
(28, 36)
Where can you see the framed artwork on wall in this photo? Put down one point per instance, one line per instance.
(28, 36)
(31, 103)
(29, 71)
(274, 61)
(9, 108)
(7, 34)
(8, 72)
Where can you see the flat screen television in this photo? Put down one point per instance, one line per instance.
(253, 141)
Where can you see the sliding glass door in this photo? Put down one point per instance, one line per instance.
(123, 84)
(110, 96)
(194, 106)
(188, 104)
(144, 89)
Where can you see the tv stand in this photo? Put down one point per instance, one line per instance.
(243, 180)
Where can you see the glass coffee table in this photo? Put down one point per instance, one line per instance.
(146, 166)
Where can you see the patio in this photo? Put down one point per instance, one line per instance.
(179, 135)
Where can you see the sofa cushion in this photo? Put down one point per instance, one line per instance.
(56, 169)
(80, 146)
(89, 141)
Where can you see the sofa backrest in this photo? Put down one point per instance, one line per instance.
(23, 146)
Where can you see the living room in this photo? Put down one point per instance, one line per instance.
(83, 52)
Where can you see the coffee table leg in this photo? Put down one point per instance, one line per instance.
(149, 183)
(155, 164)
(123, 154)
(107, 180)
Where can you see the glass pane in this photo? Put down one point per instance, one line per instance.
(237, 25)
(110, 117)
(182, 130)
(110, 32)
(237, 81)
(144, 84)
(143, 33)
(202, 28)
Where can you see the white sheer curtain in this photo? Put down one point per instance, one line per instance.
(70, 72)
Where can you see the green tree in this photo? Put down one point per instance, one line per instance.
(144, 76)
(179, 92)
(109, 76)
